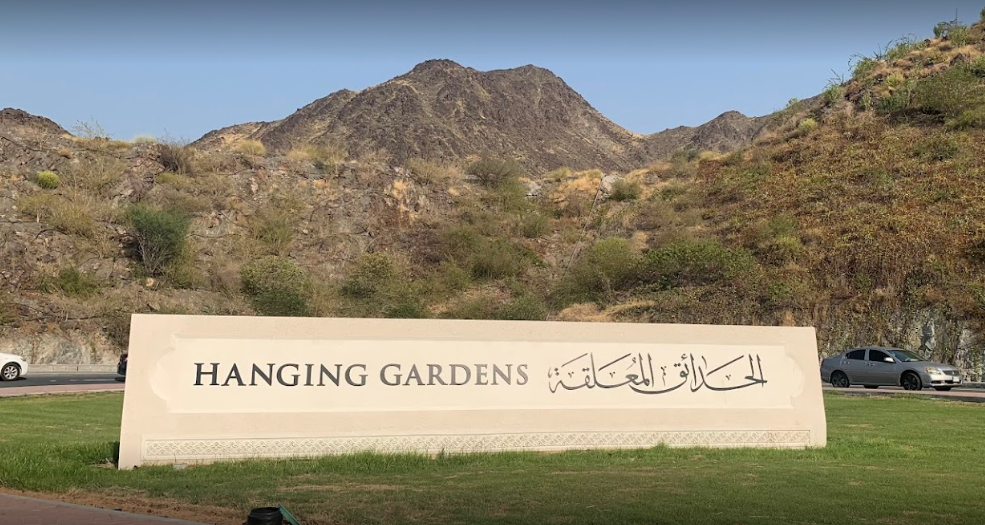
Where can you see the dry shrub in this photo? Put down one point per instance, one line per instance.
(492, 172)
(583, 312)
(214, 162)
(62, 214)
(559, 174)
(574, 198)
(253, 148)
(97, 176)
(272, 227)
(371, 156)
(427, 171)
(175, 157)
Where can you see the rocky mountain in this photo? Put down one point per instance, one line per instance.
(727, 132)
(442, 110)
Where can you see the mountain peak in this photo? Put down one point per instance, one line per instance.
(441, 65)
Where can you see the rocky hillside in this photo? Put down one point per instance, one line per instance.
(442, 111)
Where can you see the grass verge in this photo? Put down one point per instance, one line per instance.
(893, 460)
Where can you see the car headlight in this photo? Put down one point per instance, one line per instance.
(932, 370)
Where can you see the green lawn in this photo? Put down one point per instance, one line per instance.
(890, 460)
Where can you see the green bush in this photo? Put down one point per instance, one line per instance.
(524, 307)
(608, 266)
(509, 195)
(48, 180)
(949, 93)
(972, 118)
(624, 190)
(694, 263)
(161, 236)
(494, 172)
(977, 66)
(807, 125)
(406, 308)
(903, 47)
(863, 67)
(533, 225)
(483, 257)
(897, 102)
(945, 29)
(372, 273)
(865, 102)
(833, 94)
(277, 287)
(71, 281)
(961, 36)
(496, 259)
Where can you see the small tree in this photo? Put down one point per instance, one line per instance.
(494, 172)
(161, 235)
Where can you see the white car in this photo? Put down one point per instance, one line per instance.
(12, 367)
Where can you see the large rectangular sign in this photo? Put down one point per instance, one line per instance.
(206, 388)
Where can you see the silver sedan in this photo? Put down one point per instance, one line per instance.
(875, 366)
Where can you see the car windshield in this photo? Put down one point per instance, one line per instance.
(905, 356)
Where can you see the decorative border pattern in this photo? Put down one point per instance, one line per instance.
(216, 449)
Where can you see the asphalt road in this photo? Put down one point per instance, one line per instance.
(62, 379)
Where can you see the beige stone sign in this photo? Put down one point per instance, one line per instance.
(206, 388)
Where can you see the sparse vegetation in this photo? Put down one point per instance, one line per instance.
(694, 263)
(48, 180)
(71, 281)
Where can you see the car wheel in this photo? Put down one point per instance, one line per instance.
(871, 386)
(942, 388)
(839, 380)
(10, 372)
(911, 381)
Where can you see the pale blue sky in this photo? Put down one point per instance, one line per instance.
(183, 68)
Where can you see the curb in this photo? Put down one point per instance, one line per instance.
(71, 369)
(888, 393)
(7, 394)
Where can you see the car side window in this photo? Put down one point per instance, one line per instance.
(857, 355)
(877, 355)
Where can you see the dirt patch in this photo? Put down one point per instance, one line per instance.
(136, 503)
